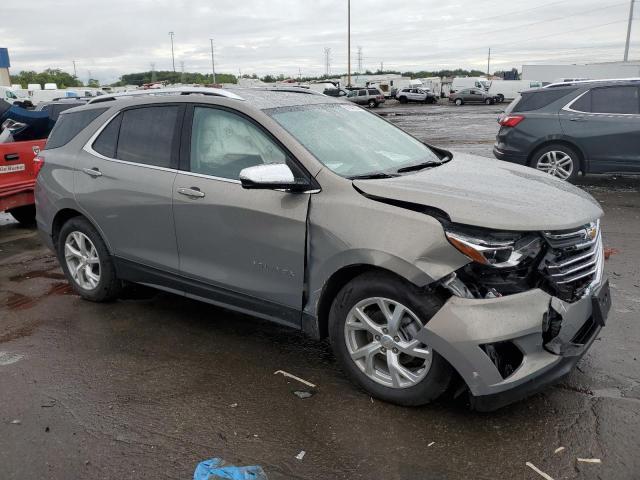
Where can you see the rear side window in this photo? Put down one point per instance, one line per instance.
(71, 124)
(609, 100)
(540, 99)
(107, 141)
(147, 135)
(373, 92)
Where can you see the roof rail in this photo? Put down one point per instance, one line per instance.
(582, 82)
(215, 92)
(291, 89)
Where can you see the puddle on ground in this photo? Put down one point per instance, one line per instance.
(37, 274)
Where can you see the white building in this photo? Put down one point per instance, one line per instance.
(591, 71)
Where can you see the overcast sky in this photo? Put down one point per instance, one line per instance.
(287, 36)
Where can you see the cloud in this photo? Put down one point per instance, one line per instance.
(285, 36)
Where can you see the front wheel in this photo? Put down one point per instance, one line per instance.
(458, 101)
(488, 101)
(86, 262)
(500, 98)
(557, 160)
(403, 100)
(373, 325)
(25, 215)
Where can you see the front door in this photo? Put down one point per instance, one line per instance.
(124, 182)
(243, 246)
(605, 124)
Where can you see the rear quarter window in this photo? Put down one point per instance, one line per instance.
(71, 124)
(540, 99)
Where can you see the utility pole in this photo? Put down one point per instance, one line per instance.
(75, 73)
(181, 71)
(153, 72)
(626, 48)
(381, 67)
(489, 63)
(348, 43)
(327, 61)
(360, 60)
(213, 63)
(173, 60)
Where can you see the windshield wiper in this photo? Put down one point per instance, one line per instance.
(372, 176)
(421, 166)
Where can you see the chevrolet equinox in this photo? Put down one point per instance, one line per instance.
(423, 267)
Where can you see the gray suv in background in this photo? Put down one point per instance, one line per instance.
(423, 267)
(572, 127)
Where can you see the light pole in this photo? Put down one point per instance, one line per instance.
(349, 43)
(626, 47)
(213, 63)
(173, 60)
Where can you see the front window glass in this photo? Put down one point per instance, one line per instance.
(223, 144)
(351, 141)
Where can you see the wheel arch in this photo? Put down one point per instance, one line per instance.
(63, 216)
(558, 141)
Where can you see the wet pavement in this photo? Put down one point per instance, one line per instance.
(148, 386)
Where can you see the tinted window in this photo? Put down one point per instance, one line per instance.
(147, 135)
(615, 100)
(362, 93)
(540, 99)
(223, 144)
(107, 141)
(70, 124)
(373, 92)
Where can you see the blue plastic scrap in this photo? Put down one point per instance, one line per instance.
(215, 469)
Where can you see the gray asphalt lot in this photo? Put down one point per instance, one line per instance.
(148, 386)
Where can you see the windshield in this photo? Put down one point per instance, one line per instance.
(351, 141)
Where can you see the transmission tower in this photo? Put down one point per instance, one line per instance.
(153, 72)
(327, 61)
(359, 59)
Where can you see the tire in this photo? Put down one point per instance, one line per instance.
(403, 100)
(25, 215)
(77, 231)
(459, 101)
(500, 98)
(433, 373)
(558, 160)
(372, 104)
(488, 101)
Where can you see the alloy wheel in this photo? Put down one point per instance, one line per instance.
(380, 338)
(82, 260)
(556, 163)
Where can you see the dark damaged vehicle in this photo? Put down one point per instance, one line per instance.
(420, 265)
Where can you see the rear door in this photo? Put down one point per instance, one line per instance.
(124, 182)
(474, 95)
(605, 123)
(246, 246)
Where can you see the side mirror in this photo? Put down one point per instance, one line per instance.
(272, 176)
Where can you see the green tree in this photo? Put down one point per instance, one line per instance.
(57, 76)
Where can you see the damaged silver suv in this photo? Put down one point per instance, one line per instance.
(421, 266)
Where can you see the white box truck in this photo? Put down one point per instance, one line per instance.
(509, 89)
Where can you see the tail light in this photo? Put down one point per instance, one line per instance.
(511, 120)
(38, 163)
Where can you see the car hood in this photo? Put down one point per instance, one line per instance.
(482, 192)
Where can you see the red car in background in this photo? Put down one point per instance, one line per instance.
(18, 173)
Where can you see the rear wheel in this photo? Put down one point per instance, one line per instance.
(459, 101)
(403, 99)
(373, 325)
(373, 104)
(500, 98)
(86, 262)
(558, 160)
(488, 101)
(25, 215)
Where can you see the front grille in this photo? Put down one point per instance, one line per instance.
(574, 261)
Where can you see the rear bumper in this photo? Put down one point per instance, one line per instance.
(502, 153)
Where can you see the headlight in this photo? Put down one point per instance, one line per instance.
(495, 249)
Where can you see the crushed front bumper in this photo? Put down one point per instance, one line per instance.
(463, 328)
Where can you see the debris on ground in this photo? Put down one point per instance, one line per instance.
(301, 455)
(589, 460)
(538, 471)
(16, 422)
(302, 394)
(558, 450)
(216, 469)
(234, 405)
(431, 444)
(610, 251)
(301, 380)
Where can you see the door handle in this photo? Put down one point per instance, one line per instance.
(92, 172)
(11, 156)
(193, 192)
